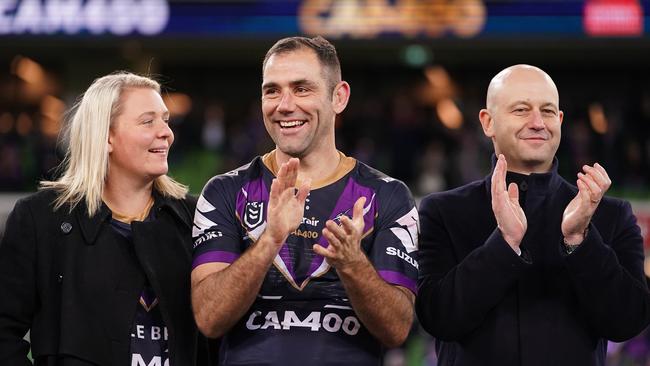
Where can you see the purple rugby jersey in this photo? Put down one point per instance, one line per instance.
(302, 313)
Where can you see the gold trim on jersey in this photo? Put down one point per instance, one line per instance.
(346, 164)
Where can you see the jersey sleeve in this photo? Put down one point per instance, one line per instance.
(216, 233)
(394, 250)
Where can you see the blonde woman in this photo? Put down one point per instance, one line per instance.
(97, 263)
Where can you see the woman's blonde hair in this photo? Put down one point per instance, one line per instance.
(85, 164)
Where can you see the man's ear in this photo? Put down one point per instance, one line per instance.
(340, 96)
(487, 122)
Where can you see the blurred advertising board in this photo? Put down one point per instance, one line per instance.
(356, 19)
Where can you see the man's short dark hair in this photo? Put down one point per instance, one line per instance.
(324, 50)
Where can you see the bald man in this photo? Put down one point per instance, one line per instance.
(523, 267)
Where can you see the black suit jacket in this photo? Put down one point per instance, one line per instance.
(73, 282)
(488, 306)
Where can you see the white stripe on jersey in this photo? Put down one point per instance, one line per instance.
(255, 233)
(201, 224)
(367, 208)
(324, 267)
(338, 307)
(409, 235)
(203, 205)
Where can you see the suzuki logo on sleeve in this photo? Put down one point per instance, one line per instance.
(254, 214)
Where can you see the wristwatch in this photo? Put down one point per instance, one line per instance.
(570, 248)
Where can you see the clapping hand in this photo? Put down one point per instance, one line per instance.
(592, 183)
(345, 240)
(510, 217)
(286, 204)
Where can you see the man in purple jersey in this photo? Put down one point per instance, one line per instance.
(304, 255)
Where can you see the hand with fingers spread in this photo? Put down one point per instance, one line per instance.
(510, 217)
(592, 185)
(345, 240)
(286, 205)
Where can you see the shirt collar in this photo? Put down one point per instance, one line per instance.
(91, 226)
(536, 183)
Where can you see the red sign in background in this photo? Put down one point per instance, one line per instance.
(613, 18)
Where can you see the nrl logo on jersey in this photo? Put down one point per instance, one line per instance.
(254, 214)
